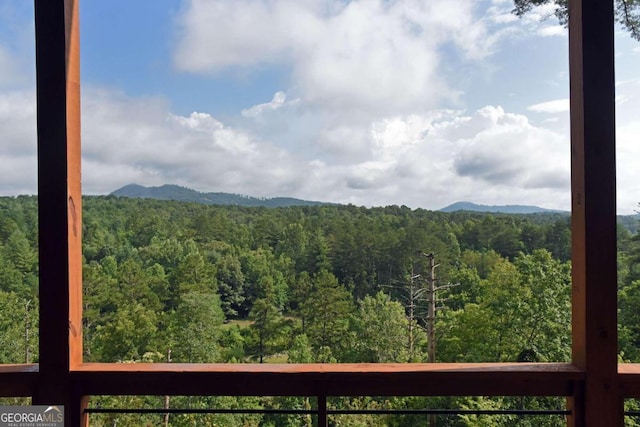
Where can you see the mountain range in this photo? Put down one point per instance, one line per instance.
(183, 194)
(512, 209)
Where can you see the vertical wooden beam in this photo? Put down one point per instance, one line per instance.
(74, 189)
(323, 418)
(593, 184)
(84, 417)
(60, 204)
(575, 404)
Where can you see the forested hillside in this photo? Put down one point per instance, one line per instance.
(311, 284)
(183, 194)
(315, 273)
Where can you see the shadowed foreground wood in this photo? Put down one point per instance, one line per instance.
(629, 379)
(593, 213)
(18, 380)
(59, 205)
(542, 379)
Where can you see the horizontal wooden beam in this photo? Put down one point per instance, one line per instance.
(18, 380)
(629, 379)
(442, 379)
(470, 379)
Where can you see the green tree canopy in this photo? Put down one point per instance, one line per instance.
(627, 12)
(268, 330)
(328, 307)
(196, 328)
(381, 328)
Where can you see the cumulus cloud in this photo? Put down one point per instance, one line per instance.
(628, 149)
(18, 164)
(420, 160)
(371, 55)
(540, 21)
(490, 155)
(18, 122)
(628, 153)
(359, 119)
(508, 151)
(147, 144)
(552, 30)
(551, 107)
(367, 78)
(277, 101)
(19, 174)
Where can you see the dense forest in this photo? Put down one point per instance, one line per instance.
(194, 283)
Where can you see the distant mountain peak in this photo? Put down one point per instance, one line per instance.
(184, 194)
(509, 209)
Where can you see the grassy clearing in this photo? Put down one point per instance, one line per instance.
(277, 358)
(245, 323)
(241, 323)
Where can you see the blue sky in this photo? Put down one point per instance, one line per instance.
(371, 102)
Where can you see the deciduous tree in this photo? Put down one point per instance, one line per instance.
(627, 12)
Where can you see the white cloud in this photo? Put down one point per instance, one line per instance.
(18, 122)
(628, 149)
(359, 121)
(502, 16)
(420, 160)
(541, 13)
(552, 31)
(18, 164)
(368, 79)
(141, 139)
(358, 55)
(277, 101)
(509, 151)
(551, 107)
(628, 153)
(490, 155)
(19, 174)
(433, 159)
(504, 26)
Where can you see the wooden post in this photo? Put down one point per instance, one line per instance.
(27, 352)
(167, 398)
(323, 419)
(59, 203)
(575, 404)
(431, 310)
(431, 320)
(593, 190)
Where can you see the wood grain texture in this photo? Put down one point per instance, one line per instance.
(593, 187)
(59, 205)
(330, 379)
